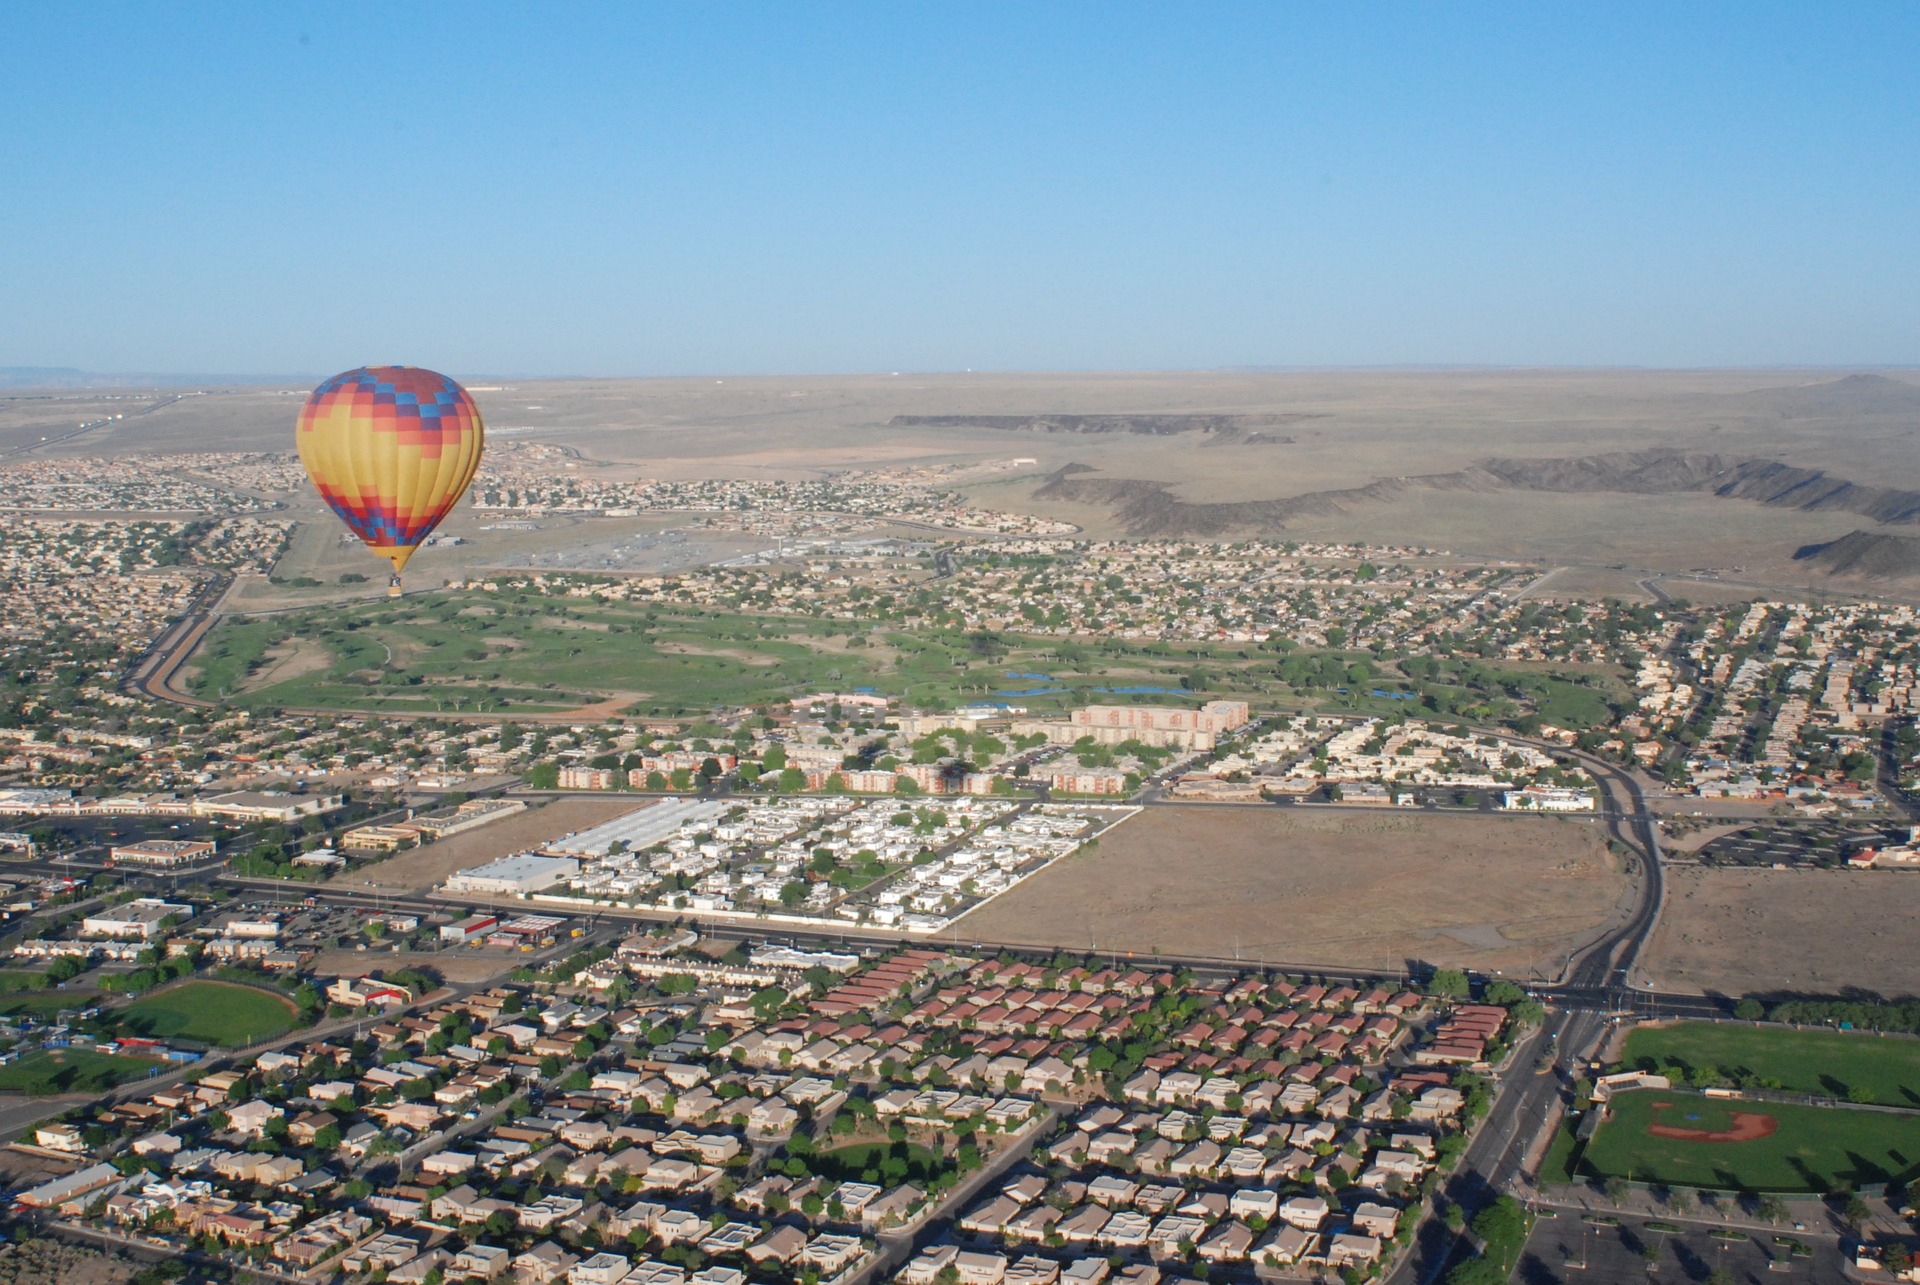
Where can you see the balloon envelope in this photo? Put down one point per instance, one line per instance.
(391, 449)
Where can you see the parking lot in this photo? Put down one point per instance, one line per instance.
(1571, 1249)
(1798, 843)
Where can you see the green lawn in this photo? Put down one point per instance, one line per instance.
(44, 1005)
(210, 1012)
(1558, 1165)
(1814, 1149)
(20, 979)
(71, 1071)
(1573, 705)
(1829, 1062)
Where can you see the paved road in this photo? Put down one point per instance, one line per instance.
(1543, 1067)
(1541, 1070)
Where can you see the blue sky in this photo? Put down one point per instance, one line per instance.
(703, 188)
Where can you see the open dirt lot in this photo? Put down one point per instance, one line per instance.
(1737, 932)
(1318, 886)
(425, 867)
(456, 964)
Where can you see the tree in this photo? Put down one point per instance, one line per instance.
(1504, 992)
(1749, 1010)
(1449, 983)
(543, 776)
(793, 893)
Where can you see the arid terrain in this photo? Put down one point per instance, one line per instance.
(425, 867)
(1369, 889)
(1740, 932)
(1770, 479)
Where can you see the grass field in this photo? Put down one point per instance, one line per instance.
(1829, 1062)
(71, 1071)
(211, 1012)
(1814, 1149)
(43, 1005)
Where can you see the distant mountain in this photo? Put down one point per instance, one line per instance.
(41, 377)
(1149, 508)
(70, 377)
(1867, 555)
(1854, 395)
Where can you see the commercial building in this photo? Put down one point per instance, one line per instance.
(160, 853)
(377, 838)
(637, 830)
(355, 992)
(258, 805)
(466, 817)
(1548, 799)
(514, 876)
(48, 1194)
(469, 928)
(143, 919)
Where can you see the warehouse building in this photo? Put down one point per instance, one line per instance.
(514, 876)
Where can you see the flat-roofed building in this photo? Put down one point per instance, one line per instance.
(267, 805)
(514, 876)
(160, 853)
(144, 919)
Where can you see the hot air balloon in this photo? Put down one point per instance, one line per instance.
(391, 449)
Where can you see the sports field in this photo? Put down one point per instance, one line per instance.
(1829, 1062)
(1807, 1148)
(71, 1071)
(211, 1012)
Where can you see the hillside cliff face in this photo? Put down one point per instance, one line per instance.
(1867, 555)
(1147, 508)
